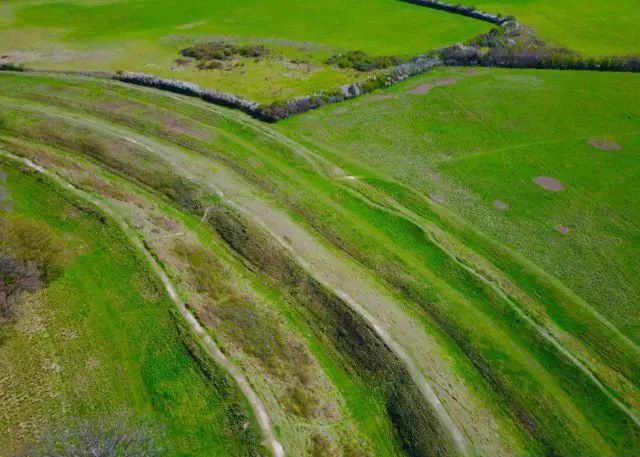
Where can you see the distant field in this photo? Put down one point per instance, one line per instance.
(476, 139)
(146, 36)
(101, 338)
(591, 27)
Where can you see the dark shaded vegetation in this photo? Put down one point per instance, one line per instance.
(31, 255)
(338, 325)
(361, 61)
(11, 66)
(110, 435)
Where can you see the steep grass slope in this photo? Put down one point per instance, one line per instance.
(476, 349)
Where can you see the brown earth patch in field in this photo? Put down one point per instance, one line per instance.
(548, 183)
(604, 144)
(437, 198)
(471, 72)
(562, 229)
(500, 205)
(426, 87)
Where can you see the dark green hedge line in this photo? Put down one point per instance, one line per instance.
(469, 11)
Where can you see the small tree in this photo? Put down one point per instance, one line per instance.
(118, 435)
(31, 254)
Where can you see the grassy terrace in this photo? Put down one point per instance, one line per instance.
(522, 364)
(147, 37)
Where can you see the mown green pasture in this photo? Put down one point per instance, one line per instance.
(475, 139)
(146, 36)
(592, 27)
(102, 337)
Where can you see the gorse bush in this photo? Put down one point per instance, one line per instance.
(223, 51)
(361, 61)
(31, 255)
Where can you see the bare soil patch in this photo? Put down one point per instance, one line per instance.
(548, 183)
(604, 144)
(426, 87)
(500, 205)
(562, 229)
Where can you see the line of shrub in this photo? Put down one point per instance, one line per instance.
(516, 46)
(469, 11)
(182, 87)
(284, 109)
(534, 56)
(279, 110)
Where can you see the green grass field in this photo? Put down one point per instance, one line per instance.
(101, 338)
(591, 27)
(147, 36)
(446, 267)
(479, 137)
(419, 204)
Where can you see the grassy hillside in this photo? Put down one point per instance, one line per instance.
(147, 37)
(102, 337)
(397, 298)
(592, 27)
(475, 141)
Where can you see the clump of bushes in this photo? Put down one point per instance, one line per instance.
(12, 66)
(110, 435)
(223, 51)
(31, 255)
(361, 61)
